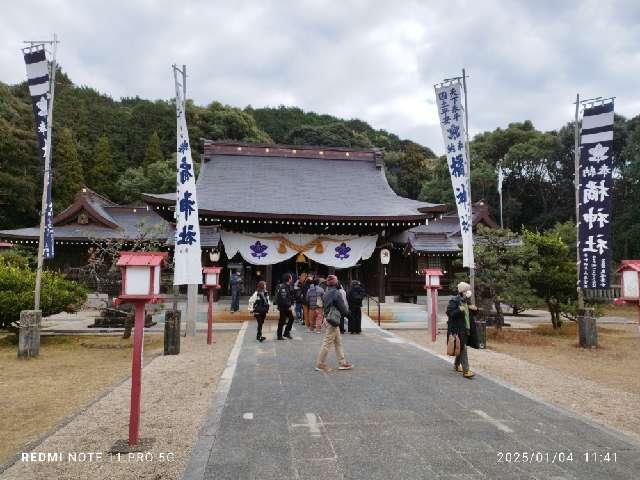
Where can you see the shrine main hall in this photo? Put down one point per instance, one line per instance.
(288, 209)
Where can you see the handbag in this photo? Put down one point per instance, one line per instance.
(333, 316)
(453, 345)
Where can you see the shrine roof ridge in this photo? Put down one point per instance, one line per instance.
(212, 148)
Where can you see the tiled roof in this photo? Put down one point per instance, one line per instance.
(257, 182)
(433, 243)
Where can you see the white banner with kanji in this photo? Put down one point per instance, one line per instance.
(188, 265)
(451, 112)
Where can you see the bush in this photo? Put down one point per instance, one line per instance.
(17, 285)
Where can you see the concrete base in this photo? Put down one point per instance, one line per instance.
(122, 446)
(29, 336)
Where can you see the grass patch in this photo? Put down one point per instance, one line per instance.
(69, 373)
(517, 337)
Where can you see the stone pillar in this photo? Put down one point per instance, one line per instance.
(29, 336)
(172, 332)
(587, 329)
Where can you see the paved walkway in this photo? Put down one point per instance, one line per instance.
(402, 413)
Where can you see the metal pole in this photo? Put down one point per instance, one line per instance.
(500, 180)
(434, 319)
(472, 270)
(210, 339)
(136, 374)
(576, 182)
(47, 173)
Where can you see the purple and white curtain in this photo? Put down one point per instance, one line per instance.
(187, 256)
(339, 251)
(38, 81)
(595, 186)
(451, 111)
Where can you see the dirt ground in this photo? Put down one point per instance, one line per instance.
(614, 363)
(176, 392)
(601, 383)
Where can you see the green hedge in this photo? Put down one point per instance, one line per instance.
(17, 285)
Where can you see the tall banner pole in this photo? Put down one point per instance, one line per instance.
(42, 93)
(472, 269)
(456, 142)
(576, 181)
(187, 252)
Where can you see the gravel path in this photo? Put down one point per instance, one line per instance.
(611, 407)
(175, 395)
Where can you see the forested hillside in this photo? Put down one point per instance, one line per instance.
(125, 147)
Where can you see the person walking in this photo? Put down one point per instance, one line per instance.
(460, 321)
(334, 309)
(284, 300)
(314, 301)
(259, 306)
(355, 295)
(305, 304)
(343, 294)
(236, 287)
(297, 295)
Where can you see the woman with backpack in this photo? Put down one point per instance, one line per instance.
(259, 306)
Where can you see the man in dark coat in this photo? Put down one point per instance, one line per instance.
(236, 287)
(460, 321)
(355, 295)
(284, 300)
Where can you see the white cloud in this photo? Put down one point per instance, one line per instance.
(374, 60)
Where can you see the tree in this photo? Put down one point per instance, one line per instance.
(100, 177)
(153, 153)
(333, 135)
(412, 172)
(503, 266)
(68, 178)
(437, 187)
(159, 177)
(555, 280)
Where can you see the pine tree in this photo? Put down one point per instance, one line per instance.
(100, 176)
(154, 152)
(67, 170)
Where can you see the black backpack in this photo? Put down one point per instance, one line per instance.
(283, 299)
(261, 306)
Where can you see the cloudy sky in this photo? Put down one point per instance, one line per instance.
(374, 60)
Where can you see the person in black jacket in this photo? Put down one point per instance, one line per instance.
(259, 306)
(355, 295)
(284, 300)
(460, 321)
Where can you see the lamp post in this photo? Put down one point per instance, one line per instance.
(211, 276)
(630, 273)
(140, 285)
(432, 285)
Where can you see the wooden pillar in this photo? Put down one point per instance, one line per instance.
(269, 278)
(172, 332)
(192, 309)
(29, 336)
(381, 281)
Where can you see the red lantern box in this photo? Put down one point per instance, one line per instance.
(140, 276)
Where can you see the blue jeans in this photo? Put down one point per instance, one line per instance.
(235, 300)
(299, 311)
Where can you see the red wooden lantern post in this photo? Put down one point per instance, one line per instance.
(211, 282)
(630, 281)
(432, 284)
(140, 285)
